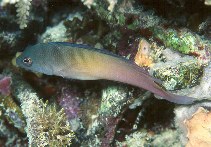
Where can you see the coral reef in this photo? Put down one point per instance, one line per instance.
(23, 7)
(139, 17)
(185, 42)
(112, 100)
(178, 74)
(56, 33)
(168, 38)
(53, 127)
(45, 125)
(201, 91)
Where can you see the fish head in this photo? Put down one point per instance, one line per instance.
(36, 59)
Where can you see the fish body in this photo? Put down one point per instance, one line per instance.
(82, 62)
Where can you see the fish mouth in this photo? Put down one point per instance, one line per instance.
(18, 59)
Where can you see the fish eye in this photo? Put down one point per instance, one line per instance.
(27, 61)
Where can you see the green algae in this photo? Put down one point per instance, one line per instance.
(182, 40)
(184, 73)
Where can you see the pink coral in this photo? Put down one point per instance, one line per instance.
(5, 83)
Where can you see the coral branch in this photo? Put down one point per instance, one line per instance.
(45, 125)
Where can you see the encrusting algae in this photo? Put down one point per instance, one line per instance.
(143, 57)
(199, 128)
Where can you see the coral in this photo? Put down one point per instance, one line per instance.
(111, 39)
(105, 127)
(8, 41)
(80, 28)
(184, 41)
(5, 2)
(113, 104)
(178, 74)
(203, 90)
(136, 139)
(70, 99)
(199, 129)
(55, 33)
(184, 113)
(53, 129)
(45, 125)
(100, 112)
(169, 137)
(70, 102)
(8, 38)
(12, 112)
(83, 28)
(113, 99)
(143, 57)
(143, 138)
(109, 114)
(112, 4)
(139, 17)
(88, 3)
(110, 8)
(23, 7)
(12, 137)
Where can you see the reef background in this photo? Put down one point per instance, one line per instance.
(40, 110)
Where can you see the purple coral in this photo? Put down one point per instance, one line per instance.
(5, 83)
(70, 101)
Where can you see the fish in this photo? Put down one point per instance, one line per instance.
(83, 62)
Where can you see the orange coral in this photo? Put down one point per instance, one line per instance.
(199, 129)
(142, 57)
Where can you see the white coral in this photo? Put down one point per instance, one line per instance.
(112, 4)
(88, 3)
(23, 7)
(6, 2)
